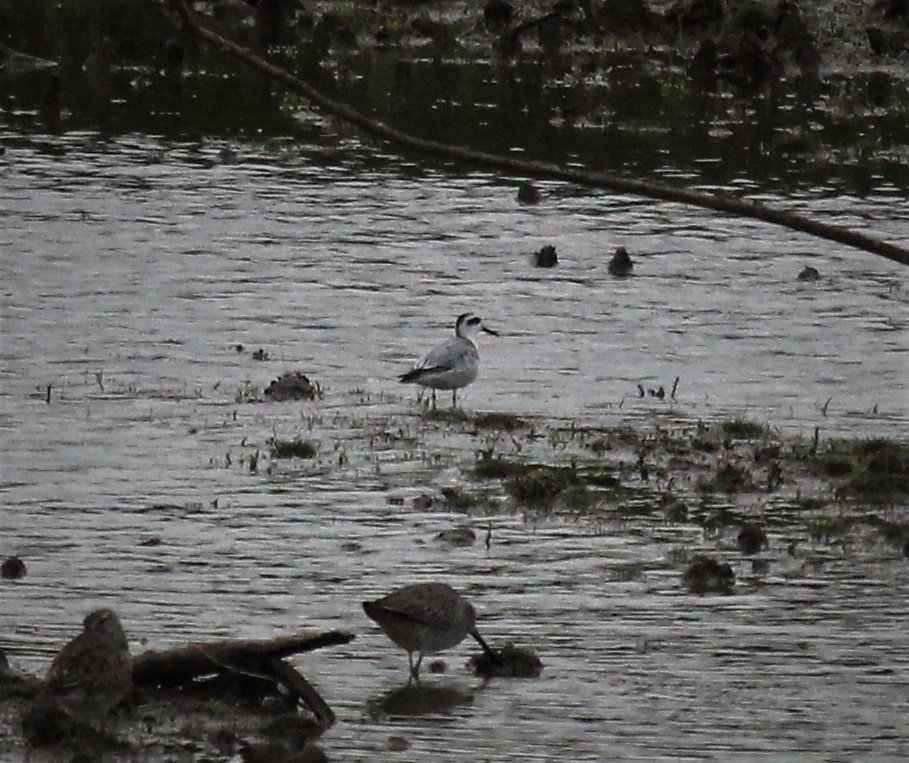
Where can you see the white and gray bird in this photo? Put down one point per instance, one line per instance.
(451, 365)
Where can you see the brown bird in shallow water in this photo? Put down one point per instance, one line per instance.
(91, 675)
(425, 618)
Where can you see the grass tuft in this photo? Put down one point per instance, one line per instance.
(296, 448)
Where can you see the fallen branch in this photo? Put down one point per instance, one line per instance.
(301, 688)
(740, 207)
(258, 660)
(173, 667)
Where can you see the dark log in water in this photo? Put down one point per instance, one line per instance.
(173, 667)
(260, 659)
(726, 204)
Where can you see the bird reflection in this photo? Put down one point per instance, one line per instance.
(413, 699)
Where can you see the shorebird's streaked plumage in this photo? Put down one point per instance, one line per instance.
(425, 618)
(89, 677)
(455, 363)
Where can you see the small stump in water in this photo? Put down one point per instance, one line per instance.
(528, 193)
(546, 257)
(508, 662)
(621, 265)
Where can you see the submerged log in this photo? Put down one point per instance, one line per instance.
(302, 689)
(242, 658)
(173, 667)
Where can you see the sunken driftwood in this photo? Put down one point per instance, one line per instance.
(648, 189)
(172, 667)
(260, 659)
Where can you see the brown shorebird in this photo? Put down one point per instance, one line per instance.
(92, 673)
(425, 618)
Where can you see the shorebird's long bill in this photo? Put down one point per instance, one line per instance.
(488, 330)
(482, 642)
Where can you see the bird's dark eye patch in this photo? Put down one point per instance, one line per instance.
(473, 321)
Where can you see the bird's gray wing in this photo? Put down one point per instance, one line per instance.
(444, 357)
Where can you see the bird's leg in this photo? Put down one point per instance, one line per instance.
(433, 399)
(454, 398)
(414, 668)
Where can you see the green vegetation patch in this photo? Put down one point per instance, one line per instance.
(598, 476)
(447, 415)
(489, 467)
(743, 429)
(578, 498)
(296, 448)
(544, 483)
(894, 531)
(728, 478)
(825, 528)
(533, 482)
(751, 16)
(458, 499)
(874, 470)
(507, 422)
(639, 506)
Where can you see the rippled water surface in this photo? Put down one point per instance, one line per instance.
(132, 270)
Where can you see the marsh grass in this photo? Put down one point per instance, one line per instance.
(491, 467)
(543, 484)
(826, 528)
(461, 499)
(296, 448)
(743, 429)
(874, 470)
(506, 422)
(447, 415)
(578, 498)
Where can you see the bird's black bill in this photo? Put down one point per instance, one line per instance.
(489, 653)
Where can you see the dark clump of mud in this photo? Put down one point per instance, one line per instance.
(13, 568)
(508, 662)
(751, 538)
(546, 257)
(292, 386)
(706, 575)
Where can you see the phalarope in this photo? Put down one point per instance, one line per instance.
(451, 365)
(425, 618)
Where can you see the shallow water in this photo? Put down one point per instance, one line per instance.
(133, 268)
